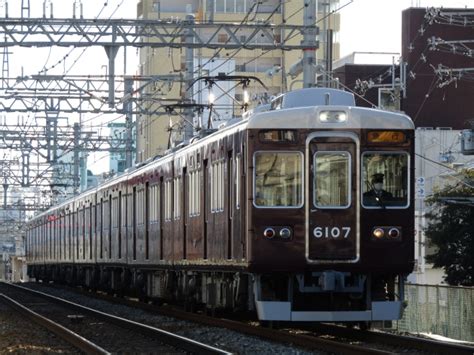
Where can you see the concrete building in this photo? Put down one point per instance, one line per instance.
(117, 159)
(439, 89)
(438, 160)
(438, 99)
(271, 67)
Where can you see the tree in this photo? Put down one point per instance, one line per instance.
(451, 230)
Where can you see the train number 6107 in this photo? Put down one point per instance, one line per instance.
(332, 232)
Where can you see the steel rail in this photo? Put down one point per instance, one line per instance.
(175, 340)
(306, 341)
(69, 336)
(285, 338)
(395, 339)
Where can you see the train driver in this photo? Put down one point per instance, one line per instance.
(377, 194)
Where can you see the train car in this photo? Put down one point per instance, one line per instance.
(302, 211)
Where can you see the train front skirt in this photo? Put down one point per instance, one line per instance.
(380, 310)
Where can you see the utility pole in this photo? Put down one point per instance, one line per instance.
(25, 167)
(310, 44)
(127, 107)
(328, 35)
(5, 189)
(5, 66)
(188, 81)
(76, 178)
(25, 8)
(111, 54)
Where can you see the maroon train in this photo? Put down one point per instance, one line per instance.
(302, 212)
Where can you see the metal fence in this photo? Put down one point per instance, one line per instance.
(442, 310)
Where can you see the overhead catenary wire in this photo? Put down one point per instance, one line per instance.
(291, 37)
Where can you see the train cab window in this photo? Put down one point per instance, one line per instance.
(278, 179)
(385, 180)
(332, 179)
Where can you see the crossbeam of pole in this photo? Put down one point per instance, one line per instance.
(81, 94)
(145, 105)
(46, 32)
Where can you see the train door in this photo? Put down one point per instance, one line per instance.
(332, 207)
(205, 207)
(161, 202)
(184, 212)
(230, 203)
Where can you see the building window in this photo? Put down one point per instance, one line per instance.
(233, 6)
(222, 38)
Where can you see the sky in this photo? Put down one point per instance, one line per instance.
(380, 21)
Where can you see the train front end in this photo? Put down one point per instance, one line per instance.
(331, 218)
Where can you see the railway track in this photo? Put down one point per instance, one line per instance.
(325, 338)
(348, 341)
(396, 340)
(94, 331)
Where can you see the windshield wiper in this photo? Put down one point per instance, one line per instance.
(380, 201)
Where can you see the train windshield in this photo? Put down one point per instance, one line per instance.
(385, 180)
(332, 179)
(278, 179)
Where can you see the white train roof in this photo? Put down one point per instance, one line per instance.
(308, 117)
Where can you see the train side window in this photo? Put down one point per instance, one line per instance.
(154, 204)
(194, 196)
(191, 193)
(217, 186)
(140, 207)
(114, 212)
(332, 179)
(385, 179)
(278, 179)
(168, 200)
(237, 178)
(213, 186)
(177, 198)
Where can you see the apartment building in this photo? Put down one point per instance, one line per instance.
(273, 67)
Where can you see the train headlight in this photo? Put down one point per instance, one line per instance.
(378, 233)
(269, 233)
(285, 233)
(394, 233)
(332, 116)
